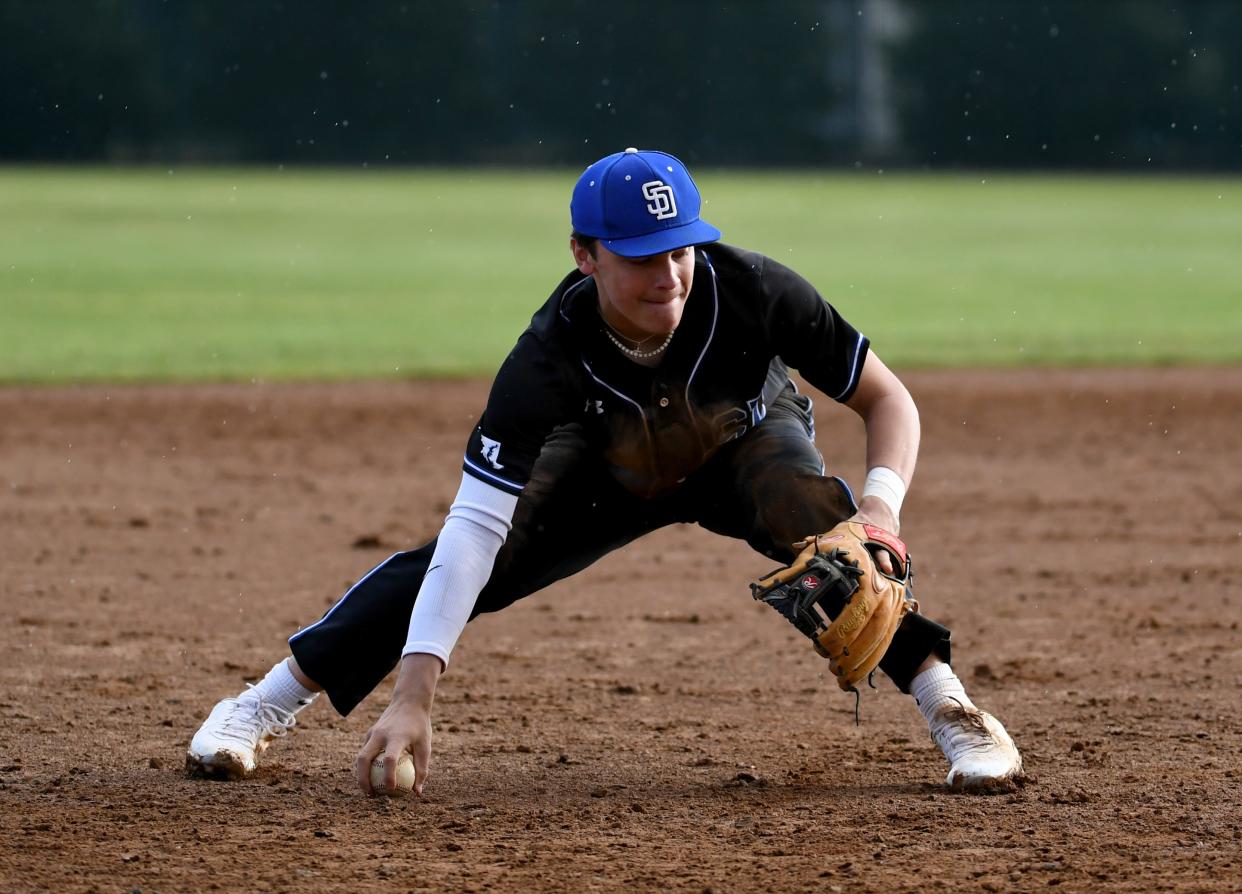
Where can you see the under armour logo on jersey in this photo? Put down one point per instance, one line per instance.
(597, 404)
(491, 451)
(660, 200)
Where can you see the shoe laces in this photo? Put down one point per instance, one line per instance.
(962, 729)
(251, 718)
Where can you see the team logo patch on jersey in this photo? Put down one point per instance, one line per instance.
(660, 199)
(758, 410)
(491, 451)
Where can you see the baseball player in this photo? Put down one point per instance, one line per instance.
(651, 388)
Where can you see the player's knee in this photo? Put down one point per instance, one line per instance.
(791, 507)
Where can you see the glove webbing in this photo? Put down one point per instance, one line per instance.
(823, 588)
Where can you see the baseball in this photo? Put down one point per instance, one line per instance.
(405, 776)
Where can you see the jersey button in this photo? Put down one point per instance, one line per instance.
(664, 401)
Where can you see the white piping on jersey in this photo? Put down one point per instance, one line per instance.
(565, 296)
(850, 492)
(341, 601)
(628, 400)
(855, 368)
(487, 474)
(712, 333)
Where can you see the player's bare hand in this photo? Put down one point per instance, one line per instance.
(401, 728)
(405, 726)
(874, 511)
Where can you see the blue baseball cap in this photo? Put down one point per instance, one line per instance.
(639, 203)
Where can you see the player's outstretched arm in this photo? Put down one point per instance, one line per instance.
(893, 430)
(476, 527)
(405, 725)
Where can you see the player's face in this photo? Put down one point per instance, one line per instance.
(639, 297)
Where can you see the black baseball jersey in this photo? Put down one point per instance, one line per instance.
(746, 321)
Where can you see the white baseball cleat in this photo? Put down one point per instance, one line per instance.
(982, 756)
(238, 730)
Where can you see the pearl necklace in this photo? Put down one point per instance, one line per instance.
(634, 352)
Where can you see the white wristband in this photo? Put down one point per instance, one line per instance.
(886, 484)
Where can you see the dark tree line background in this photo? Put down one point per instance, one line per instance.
(1148, 84)
(1092, 84)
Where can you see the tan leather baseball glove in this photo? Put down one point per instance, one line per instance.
(836, 594)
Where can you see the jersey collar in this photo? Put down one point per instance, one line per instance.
(579, 308)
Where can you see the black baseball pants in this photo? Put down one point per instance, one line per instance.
(767, 488)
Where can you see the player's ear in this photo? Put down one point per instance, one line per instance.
(582, 257)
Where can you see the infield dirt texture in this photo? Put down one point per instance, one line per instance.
(645, 725)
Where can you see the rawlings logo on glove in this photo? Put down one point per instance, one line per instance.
(836, 593)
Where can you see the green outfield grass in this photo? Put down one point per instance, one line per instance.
(237, 274)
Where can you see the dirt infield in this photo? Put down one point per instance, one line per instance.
(640, 726)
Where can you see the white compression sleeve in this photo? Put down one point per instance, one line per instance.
(476, 527)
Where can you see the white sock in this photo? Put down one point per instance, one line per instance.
(281, 688)
(936, 686)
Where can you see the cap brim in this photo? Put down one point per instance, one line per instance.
(694, 233)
